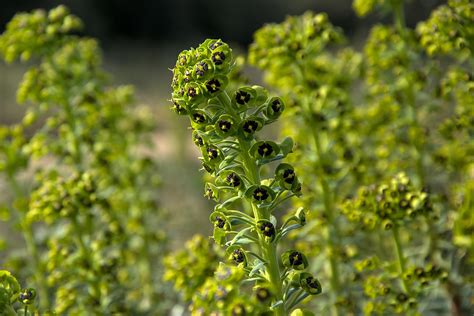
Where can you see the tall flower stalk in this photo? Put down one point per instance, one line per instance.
(225, 128)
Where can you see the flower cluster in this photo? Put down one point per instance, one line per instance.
(225, 127)
(449, 30)
(388, 204)
(189, 268)
(211, 286)
(32, 33)
(384, 292)
(279, 48)
(90, 217)
(200, 74)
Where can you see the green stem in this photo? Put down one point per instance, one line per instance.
(400, 258)
(332, 227)
(399, 15)
(268, 250)
(26, 310)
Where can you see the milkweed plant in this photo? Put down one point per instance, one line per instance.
(365, 205)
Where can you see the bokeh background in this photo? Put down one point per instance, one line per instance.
(141, 39)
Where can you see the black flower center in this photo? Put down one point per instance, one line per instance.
(182, 60)
(199, 117)
(276, 106)
(209, 194)
(218, 58)
(201, 68)
(267, 229)
(242, 97)
(238, 256)
(198, 140)
(213, 85)
(262, 294)
(178, 108)
(212, 153)
(250, 127)
(260, 194)
(192, 92)
(402, 297)
(219, 222)
(233, 180)
(224, 125)
(296, 258)
(312, 282)
(289, 176)
(265, 150)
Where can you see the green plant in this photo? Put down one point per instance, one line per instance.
(225, 129)
(373, 132)
(87, 207)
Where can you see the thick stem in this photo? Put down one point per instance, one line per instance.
(267, 250)
(399, 15)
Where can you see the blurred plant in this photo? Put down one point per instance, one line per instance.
(394, 206)
(225, 129)
(211, 286)
(89, 216)
(403, 93)
(316, 84)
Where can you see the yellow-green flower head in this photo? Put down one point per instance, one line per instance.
(201, 73)
(449, 30)
(295, 37)
(33, 33)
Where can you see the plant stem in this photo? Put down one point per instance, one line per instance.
(332, 227)
(268, 250)
(400, 257)
(399, 15)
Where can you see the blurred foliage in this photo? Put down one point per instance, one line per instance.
(382, 165)
(359, 119)
(88, 214)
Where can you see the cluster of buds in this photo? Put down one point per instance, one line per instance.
(382, 288)
(277, 44)
(388, 204)
(449, 30)
(225, 126)
(58, 197)
(35, 31)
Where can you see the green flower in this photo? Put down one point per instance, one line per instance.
(310, 284)
(27, 296)
(294, 259)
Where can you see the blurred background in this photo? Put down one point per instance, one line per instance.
(141, 40)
